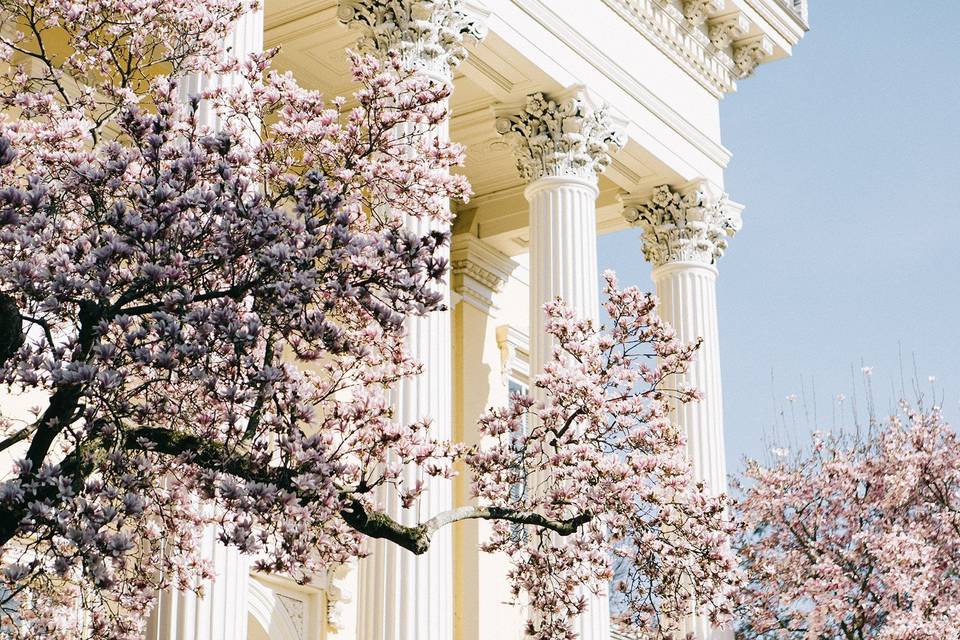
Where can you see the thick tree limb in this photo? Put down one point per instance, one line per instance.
(11, 328)
(415, 539)
(215, 456)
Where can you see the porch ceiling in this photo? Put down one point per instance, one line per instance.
(312, 43)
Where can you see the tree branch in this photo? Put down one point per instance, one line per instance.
(11, 328)
(415, 539)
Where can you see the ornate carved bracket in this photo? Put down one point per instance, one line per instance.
(697, 11)
(478, 271)
(748, 55)
(570, 136)
(724, 31)
(687, 225)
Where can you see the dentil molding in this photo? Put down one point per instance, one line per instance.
(703, 36)
(691, 224)
(429, 34)
(570, 136)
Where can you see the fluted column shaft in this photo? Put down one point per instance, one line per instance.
(688, 301)
(685, 232)
(563, 263)
(562, 145)
(245, 38)
(402, 596)
(221, 614)
(563, 254)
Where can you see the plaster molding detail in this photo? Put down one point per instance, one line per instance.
(725, 31)
(514, 347)
(748, 55)
(478, 271)
(688, 43)
(571, 136)
(692, 224)
(621, 76)
(295, 609)
(697, 11)
(430, 35)
(337, 598)
(687, 47)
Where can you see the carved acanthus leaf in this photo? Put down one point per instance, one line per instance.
(692, 225)
(567, 137)
(724, 31)
(430, 35)
(749, 55)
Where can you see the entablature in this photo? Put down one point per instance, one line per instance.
(718, 42)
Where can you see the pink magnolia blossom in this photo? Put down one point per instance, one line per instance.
(216, 319)
(856, 539)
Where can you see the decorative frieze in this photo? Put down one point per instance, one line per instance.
(697, 11)
(430, 35)
(570, 136)
(689, 225)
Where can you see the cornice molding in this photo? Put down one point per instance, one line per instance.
(626, 80)
(703, 36)
(689, 224)
(683, 42)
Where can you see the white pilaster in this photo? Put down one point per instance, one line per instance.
(561, 147)
(402, 596)
(685, 232)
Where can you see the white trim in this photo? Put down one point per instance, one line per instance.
(559, 28)
(263, 605)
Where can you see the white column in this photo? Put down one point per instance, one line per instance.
(403, 596)
(561, 147)
(685, 232)
(563, 254)
(245, 37)
(221, 614)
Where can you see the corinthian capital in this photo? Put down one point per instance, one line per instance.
(689, 225)
(569, 136)
(429, 34)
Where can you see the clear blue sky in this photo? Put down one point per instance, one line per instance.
(847, 156)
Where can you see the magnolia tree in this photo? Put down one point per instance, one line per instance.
(857, 539)
(216, 318)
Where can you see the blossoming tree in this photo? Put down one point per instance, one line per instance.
(856, 540)
(215, 319)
